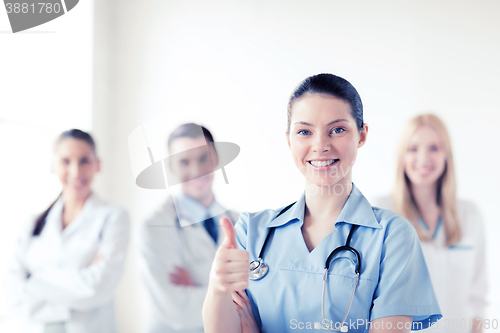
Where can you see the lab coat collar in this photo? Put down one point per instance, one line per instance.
(54, 219)
(191, 210)
(356, 210)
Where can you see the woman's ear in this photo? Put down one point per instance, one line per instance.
(288, 139)
(363, 134)
(98, 166)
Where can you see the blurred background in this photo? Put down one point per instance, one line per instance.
(111, 66)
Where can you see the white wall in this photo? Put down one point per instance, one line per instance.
(232, 66)
(45, 88)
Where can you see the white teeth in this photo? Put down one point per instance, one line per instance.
(321, 163)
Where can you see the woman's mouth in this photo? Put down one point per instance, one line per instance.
(323, 163)
(77, 183)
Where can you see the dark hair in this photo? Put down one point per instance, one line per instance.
(74, 134)
(79, 135)
(190, 130)
(332, 85)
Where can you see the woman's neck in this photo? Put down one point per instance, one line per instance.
(326, 203)
(323, 206)
(426, 200)
(425, 196)
(72, 207)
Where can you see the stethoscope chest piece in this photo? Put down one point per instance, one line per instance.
(258, 269)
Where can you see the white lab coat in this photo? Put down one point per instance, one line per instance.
(62, 285)
(458, 273)
(163, 245)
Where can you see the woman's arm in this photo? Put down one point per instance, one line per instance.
(478, 288)
(90, 287)
(229, 273)
(22, 303)
(244, 308)
(219, 313)
(395, 324)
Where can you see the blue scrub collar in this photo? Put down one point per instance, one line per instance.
(357, 210)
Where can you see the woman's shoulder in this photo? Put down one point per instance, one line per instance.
(255, 219)
(466, 208)
(264, 216)
(259, 220)
(390, 221)
(254, 225)
(28, 225)
(385, 212)
(469, 217)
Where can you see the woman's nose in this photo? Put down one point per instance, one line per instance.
(321, 143)
(74, 170)
(422, 156)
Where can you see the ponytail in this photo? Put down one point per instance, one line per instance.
(40, 221)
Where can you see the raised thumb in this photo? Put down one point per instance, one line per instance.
(230, 239)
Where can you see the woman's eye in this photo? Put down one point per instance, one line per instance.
(303, 132)
(65, 161)
(434, 148)
(84, 160)
(412, 149)
(338, 130)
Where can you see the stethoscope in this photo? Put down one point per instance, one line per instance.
(258, 269)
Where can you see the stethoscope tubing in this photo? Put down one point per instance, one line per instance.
(356, 280)
(259, 269)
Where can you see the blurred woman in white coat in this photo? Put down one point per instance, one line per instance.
(450, 230)
(70, 259)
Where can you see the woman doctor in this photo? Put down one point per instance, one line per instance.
(70, 258)
(451, 230)
(325, 130)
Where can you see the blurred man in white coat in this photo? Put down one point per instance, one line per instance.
(178, 242)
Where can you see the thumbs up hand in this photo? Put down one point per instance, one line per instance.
(230, 239)
(230, 267)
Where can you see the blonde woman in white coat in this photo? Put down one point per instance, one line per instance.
(69, 260)
(450, 230)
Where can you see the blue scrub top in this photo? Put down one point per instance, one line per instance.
(394, 279)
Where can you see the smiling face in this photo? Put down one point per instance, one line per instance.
(75, 164)
(193, 162)
(324, 139)
(425, 159)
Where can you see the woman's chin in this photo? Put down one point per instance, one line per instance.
(77, 192)
(424, 181)
(327, 185)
